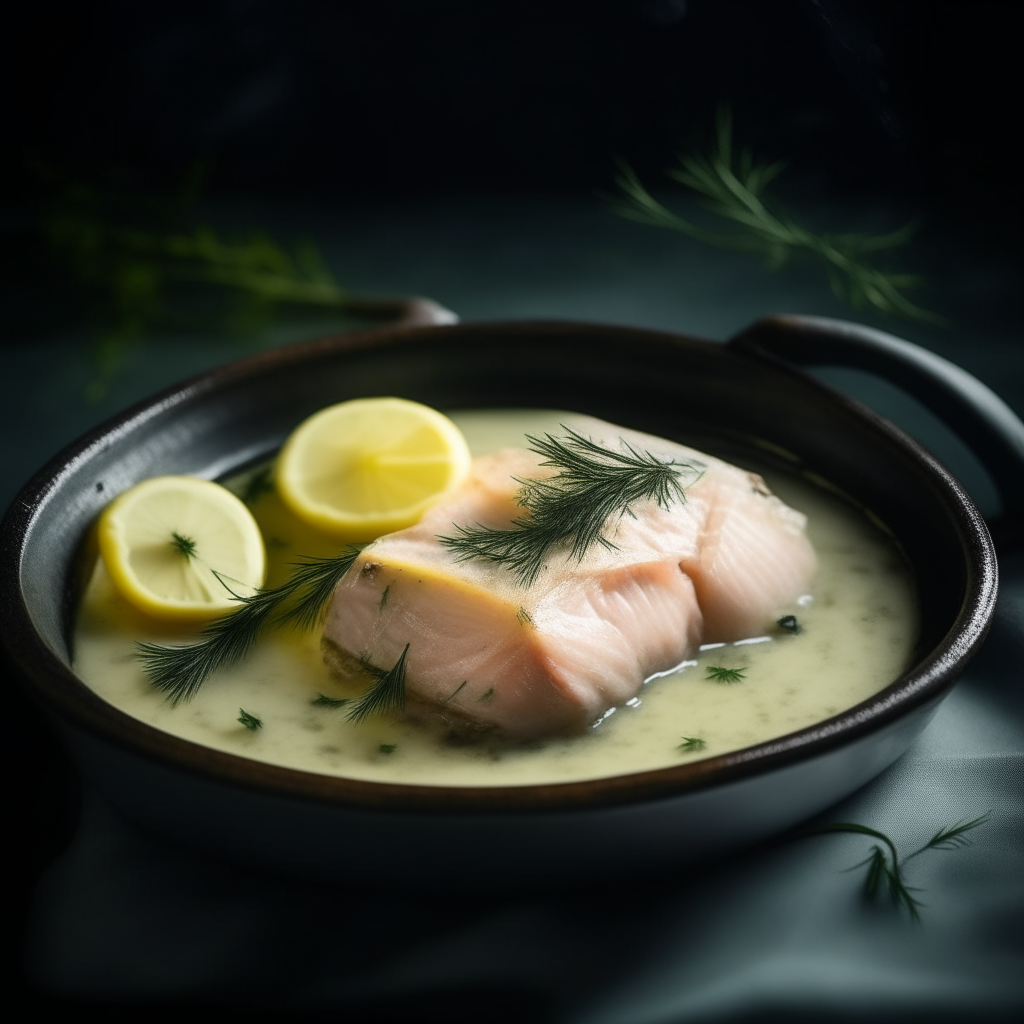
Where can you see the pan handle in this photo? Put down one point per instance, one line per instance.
(989, 427)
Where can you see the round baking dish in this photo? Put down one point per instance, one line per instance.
(742, 398)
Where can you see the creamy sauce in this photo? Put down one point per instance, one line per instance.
(858, 630)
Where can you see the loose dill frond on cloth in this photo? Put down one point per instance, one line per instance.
(179, 671)
(733, 187)
(571, 509)
(885, 866)
(720, 674)
(385, 696)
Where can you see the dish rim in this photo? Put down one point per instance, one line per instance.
(923, 684)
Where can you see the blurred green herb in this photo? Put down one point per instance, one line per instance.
(260, 483)
(251, 722)
(138, 253)
(329, 702)
(733, 187)
(691, 744)
(720, 674)
(885, 866)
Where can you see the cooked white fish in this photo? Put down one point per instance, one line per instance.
(486, 652)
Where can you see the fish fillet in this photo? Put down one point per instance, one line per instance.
(486, 653)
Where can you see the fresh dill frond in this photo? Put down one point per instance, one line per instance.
(720, 674)
(251, 722)
(571, 509)
(954, 837)
(388, 748)
(732, 186)
(877, 874)
(386, 695)
(691, 744)
(179, 671)
(313, 581)
(185, 546)
(885, 866)
(322, 700)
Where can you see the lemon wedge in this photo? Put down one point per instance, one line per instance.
(370, 466)
(177, 547)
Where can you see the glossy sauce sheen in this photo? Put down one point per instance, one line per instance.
(858, 629)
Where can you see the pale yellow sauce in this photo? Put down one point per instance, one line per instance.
(859, 626)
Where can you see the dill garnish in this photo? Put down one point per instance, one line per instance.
(384, 598)
(451, 696)
(487, 696)
(733, 188)
(691, 744)
(385, 695)
(388, 748)
(322, 700)
(571, 508)
(789, 624)
(185, 546)
(251, 722)
(180, 671)
(885, 866)
(725, 675)
(524, 618)
(953, 837)
(260, 483)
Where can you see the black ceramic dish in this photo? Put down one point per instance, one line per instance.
(738, 399)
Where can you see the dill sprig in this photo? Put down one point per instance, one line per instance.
(138, 251)
(179, 671)
(721, 674)
(322, 700)
(954, 837)
(261, 482)
(387, 694)
(185, 546)
(733, 187)
(571, 508)
(251, 722)
(691, 744)
(885, 866)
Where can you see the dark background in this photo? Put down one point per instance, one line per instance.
(396, 97)
(916, 104)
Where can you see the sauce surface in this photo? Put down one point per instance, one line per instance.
(858, 628)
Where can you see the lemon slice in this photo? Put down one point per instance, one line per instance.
(370, 466)
(179, 548)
